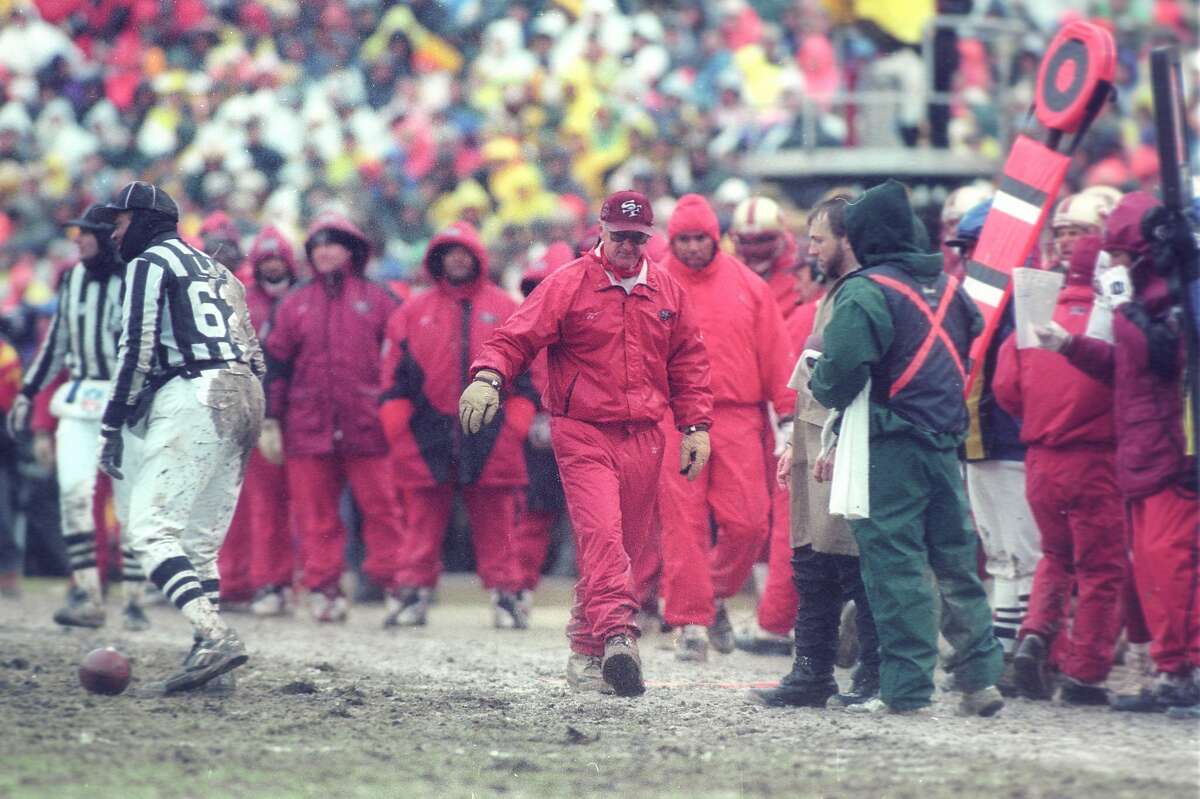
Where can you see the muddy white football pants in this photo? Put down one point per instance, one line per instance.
(77, 454)
(185, 488)
(1010, 537)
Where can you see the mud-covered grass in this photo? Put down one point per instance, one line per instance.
(457, 709)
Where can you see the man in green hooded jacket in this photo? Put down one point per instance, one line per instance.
(906, 325)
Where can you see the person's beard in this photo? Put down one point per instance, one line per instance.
(837, 264)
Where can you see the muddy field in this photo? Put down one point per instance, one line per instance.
(460, 710)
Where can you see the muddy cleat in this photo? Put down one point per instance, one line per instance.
(85, 614)
(847, 651)
(877, 706)
(804, 686)
(1170, 690)
(585, 673)
(985, 702)
(329, 608)
(691, 644)
(134, 619)
(275, 600)
(507, 613)
(1078, 692)
(720, 634)
(757, 641)
(208, 660)
(622, 666)
(407, 607)
(863, 688)
(221, 685)
(1030, 670)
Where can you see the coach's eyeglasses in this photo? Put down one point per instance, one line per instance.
(637, 238)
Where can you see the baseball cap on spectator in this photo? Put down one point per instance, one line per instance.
(628, 210)
(94, 220)
(140, 195)
(971, 225)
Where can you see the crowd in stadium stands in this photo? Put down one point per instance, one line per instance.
(514, 116)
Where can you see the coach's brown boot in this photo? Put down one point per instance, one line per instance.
(585, 673)
(622, 666)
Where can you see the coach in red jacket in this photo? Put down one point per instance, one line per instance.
(751, 360)
(323, 382)
(622, 345)
(1071, 484)
(431, 339)
(258, 552)
(1155, 471)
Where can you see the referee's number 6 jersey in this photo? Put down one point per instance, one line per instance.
(182, 309)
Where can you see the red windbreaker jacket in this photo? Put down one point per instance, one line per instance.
(431, 340)
(612, 357)
(1058, 404)
(323, 352)
(749, 351)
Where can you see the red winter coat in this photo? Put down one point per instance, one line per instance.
(430, 342)
(269, 243)
(749, 354)
(323, 353)
(612, 357)
(1058, 405)
(1148, 408)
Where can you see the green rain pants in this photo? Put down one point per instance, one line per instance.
(919, 524)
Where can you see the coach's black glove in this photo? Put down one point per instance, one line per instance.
(111, 448)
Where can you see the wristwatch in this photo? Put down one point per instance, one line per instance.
(494, 382)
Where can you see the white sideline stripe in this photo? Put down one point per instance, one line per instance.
(1016, 208)
(982, 292)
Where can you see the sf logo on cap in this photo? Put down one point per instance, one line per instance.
(631, 209)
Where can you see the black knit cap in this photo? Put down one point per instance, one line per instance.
(94, 220)
(145, 196)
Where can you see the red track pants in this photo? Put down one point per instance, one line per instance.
(258, 551)
(1166, 564)
(531, 543)
(734, 487)
(315, 486)
(609, 475)
(778, 604)
(492, 511)
(1074, 499)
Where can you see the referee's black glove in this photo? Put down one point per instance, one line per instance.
(112, 445)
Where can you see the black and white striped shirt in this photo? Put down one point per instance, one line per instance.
(182, 309)
(84, 332)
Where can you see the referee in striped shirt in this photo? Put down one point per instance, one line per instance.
(83, 339)
(188, 385)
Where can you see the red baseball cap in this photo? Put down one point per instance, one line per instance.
(628, 210)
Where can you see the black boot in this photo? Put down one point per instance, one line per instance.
(864, 686)
(1031, 672)
(806, 685)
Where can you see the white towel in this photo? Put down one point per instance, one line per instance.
(850, 495)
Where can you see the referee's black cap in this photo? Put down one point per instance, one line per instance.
(94, 220)
(140, 195)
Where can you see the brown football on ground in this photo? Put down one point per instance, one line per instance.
(104, 671)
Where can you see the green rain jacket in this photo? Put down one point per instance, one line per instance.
(881, 229)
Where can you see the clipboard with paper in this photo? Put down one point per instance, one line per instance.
(1035, 294)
